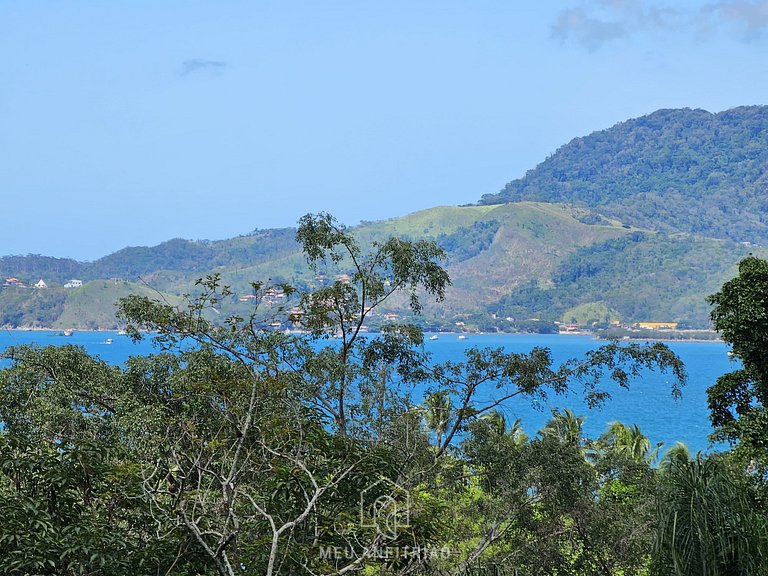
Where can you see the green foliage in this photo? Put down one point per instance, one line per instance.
(628, 441)
(553, 511)
(673, 170)
(710, 521)
(738, 400)
(470, 241)
(32, 267)
(70, 480)
(31, 307)
(534, 326)
(240, 448)
(644, 277)
(589, 313)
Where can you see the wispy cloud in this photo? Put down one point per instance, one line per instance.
(750, 19)
(197, 65)
(595, 23)
(577, 24)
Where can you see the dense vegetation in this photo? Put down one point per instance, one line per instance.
(175, 255)
(33, 267)
(521, 260)
(673, 170)
(637, 276)
(31, 307)
(563, 237)
(469, 241)
(237, 449)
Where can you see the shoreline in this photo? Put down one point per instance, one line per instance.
(662, 339)
(644, 338)
(23, 329)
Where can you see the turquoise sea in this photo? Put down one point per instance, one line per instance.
(648, 402)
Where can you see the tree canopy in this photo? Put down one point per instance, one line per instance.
(673, 170)
(238, 448)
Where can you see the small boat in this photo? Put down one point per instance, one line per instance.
(108, 341)
(433, 337)
(67, 333)
(462, 337)
(121, 332)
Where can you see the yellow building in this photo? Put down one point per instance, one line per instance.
(657, 325)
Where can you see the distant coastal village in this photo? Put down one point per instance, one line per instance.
(40, 284)
(606, 252)
(462, 323)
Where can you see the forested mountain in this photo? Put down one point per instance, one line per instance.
(672, 170)
(639, 222)
(34, 266)
(176, 255)
(521, 260)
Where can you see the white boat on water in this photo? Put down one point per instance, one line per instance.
(67, 332)
(108, 341)
(462, 337)
(433, 337)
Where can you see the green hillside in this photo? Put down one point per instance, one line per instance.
(93, 305)
(640, 276)
(30, 307)
(521, 260)
(639, 222)
(673, 170)
(33, 267)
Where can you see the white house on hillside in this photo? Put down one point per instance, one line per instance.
(41, 284)
(73, 284)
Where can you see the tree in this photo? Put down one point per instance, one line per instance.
(565, 427)
(549, 510)
(629, 441)
(710, 522)
(254, 449)
(71, 430)
(677, 455)
(738, 400)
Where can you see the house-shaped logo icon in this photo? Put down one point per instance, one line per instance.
(385, 506)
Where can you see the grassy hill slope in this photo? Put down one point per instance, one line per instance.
(641, 221)
(523, 259)
(93, 305)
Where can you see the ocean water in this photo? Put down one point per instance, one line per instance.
(648, 402)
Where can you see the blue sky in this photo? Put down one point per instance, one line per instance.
(129, 123)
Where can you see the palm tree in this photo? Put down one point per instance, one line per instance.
(517, 433)
(438, 413)
(496, 421)
(564, 426)
(677, 456)
(629, 441)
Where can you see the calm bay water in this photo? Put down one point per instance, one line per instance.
(648, 403)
